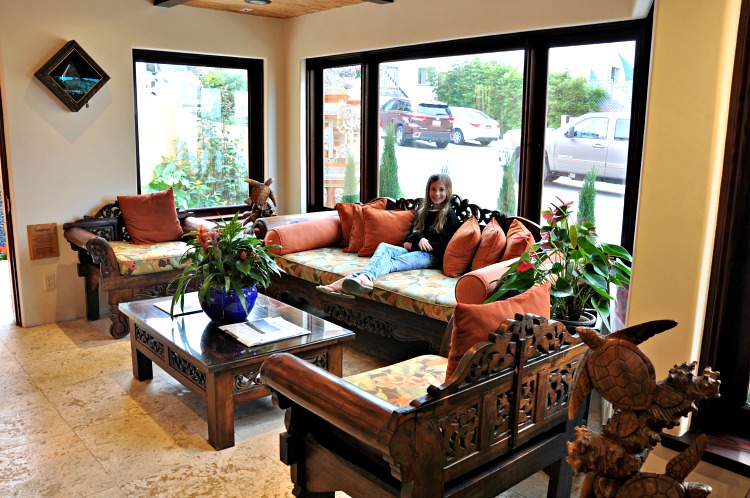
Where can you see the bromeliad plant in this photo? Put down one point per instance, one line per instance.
(579, 267)
(224, 257)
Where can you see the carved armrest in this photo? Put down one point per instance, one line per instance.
(261, 226)
(96, 247)
(349, 408)
(191, 224)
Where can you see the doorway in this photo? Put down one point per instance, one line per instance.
(10, 311)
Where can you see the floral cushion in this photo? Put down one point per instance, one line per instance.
(427, 292)
(135, 259)
(403, 382)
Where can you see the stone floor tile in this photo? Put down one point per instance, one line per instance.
(57, 466)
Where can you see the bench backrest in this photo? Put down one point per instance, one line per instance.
(465, 210)
(109, 224)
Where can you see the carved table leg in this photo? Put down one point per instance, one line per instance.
(219, 393)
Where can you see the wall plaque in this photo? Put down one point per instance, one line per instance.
(43, 241)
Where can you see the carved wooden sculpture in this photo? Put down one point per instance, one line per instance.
(262, 201)
(625, 377)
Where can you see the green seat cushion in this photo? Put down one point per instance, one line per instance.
(426, 292)
(403, 382)
(137, 259)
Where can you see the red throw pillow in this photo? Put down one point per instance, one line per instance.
(491, 246)
(357, 232)
(473, 323)
(384, 226)
(518, 240)
(303, 236)
(461, 248)
(150, 218)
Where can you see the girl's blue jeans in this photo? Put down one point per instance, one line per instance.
(389, 258)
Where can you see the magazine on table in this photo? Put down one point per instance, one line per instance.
(192, 305)
(263, 331)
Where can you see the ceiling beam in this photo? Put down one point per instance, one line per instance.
(168, 3)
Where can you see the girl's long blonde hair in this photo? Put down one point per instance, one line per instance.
(442, 215)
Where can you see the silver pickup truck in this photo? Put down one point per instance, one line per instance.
(598, 139)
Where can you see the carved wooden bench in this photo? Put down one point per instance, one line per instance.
(378, 315)
(99, 265)
(501, 417)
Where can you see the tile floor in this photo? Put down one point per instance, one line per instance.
(74, 423)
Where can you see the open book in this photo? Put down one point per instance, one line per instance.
(263, 331)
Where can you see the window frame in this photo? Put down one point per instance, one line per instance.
(725, 347)
(536, 45)
(256, 118)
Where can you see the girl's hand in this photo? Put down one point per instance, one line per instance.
(407, 246)
(425, 245)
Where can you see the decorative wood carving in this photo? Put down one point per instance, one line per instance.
(464, 432)
(625, 377)
(149, 341)
(188, 369)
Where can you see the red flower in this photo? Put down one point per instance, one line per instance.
(243, 256)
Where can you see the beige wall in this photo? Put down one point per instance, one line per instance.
(63, 164)
(66, 164)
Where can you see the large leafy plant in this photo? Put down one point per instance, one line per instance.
(224, 257)
(579, 267)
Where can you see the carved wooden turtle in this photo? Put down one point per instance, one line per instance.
(671, 484)
(616, 368)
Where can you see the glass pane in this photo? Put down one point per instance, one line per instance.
(341, 134)
(193, 133)
(589, 98)
(451, 115)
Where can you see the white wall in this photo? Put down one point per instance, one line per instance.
(63, 164)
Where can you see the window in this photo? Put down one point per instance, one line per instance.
(475, 114)
(341, 134)
(198, 127)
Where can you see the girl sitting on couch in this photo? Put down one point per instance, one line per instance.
(424, 246)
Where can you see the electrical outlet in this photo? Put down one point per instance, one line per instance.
(49, 282)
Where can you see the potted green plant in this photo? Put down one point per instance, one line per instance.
(230, 264)
(579, 268)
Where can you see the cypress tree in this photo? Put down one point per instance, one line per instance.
(351, 187)
(506, 198)
(388, 185)
(587, 198)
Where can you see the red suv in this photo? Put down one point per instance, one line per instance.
(428, 121)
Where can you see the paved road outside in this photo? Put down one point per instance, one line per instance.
(477, 175)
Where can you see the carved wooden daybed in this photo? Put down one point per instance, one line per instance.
(388, 311)
(99, 265)
(501, 417)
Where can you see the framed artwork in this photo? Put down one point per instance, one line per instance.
(72, 75)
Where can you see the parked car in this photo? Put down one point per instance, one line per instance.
(596, 140)
(427, 121)
(473, 124)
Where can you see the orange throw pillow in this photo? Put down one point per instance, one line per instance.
(461, 248)
(491, 246)
(518, 240)
(150, 218)
(384, 226)
(304, 236)
(473, 323)
(357, 232)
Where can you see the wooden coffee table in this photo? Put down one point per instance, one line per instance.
(216, 367)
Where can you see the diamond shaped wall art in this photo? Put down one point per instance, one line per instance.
(72, 75)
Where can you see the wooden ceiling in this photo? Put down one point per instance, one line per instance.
(280, 9)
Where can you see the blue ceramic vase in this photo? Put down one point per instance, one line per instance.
(226, 307)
